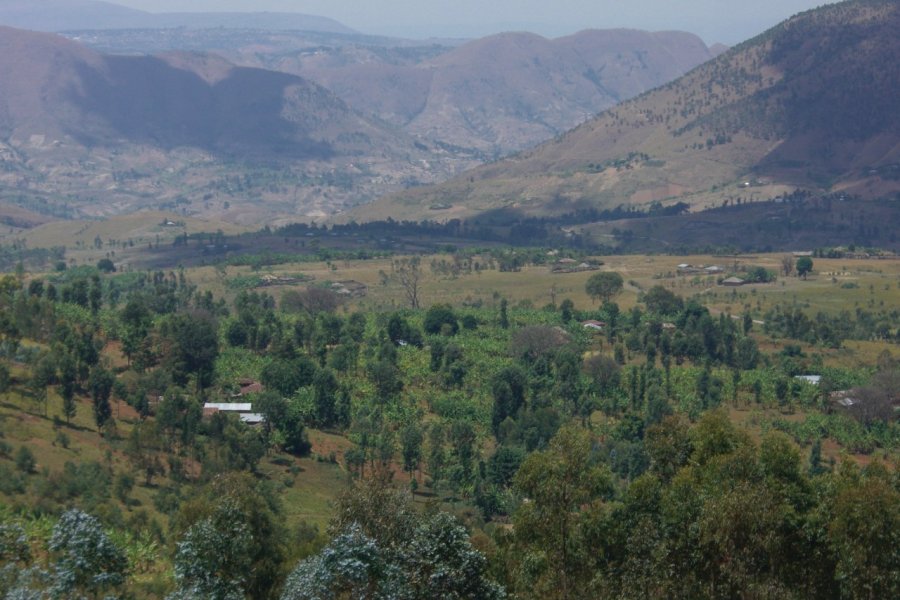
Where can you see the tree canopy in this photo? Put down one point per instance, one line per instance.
(604, 285)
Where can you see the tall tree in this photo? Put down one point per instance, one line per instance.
(604, 285)
(865, 536)
(411, 438)
(408, 273)
(67, 375)
(559, 483)
(192, 345)
(787, 265)
(101, 384)
(231, 542)
(325, 389)
(804, 266)
(383, 548)
(86, 560)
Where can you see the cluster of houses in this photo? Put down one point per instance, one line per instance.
(350, 288)
(712, 270)
(687, 269)
(570, 265)
(841, 398)
(270, 279)
(600, 325)
(346, 288)
(243, 410)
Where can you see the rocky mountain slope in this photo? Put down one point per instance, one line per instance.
(83, 133)
(486, 97)
(505, 92)
(810, 104)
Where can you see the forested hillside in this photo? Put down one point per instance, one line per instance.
(643, 443)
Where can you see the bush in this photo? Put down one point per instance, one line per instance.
(25, 460)
(441, 319)
(11, 483)
(287, 376)
(106, 266)
(662, 301)
(62, 439)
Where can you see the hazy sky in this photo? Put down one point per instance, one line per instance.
(727, 21)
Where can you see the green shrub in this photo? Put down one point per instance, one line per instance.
(25, 461)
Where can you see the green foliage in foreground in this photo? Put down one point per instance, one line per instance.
(714, 516)
(582, 464)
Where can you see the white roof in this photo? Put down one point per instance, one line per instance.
(252, 418)
(230, 406)
(813, 379)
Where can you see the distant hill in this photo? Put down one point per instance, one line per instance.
(59, 15)
(486, 97)
(85, 134)
(811, 104)
(68, 15)
(497, 94)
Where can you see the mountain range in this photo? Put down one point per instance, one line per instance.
(810, 104)
(86, 134)
(498, 94)
(486, 97)
(69, 15)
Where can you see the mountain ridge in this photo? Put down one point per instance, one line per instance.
(68, 15)
(87, 134)
(503, 92)
(805, 104)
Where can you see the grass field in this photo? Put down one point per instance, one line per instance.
(833, 286)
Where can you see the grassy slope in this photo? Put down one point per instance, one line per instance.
(313, 483)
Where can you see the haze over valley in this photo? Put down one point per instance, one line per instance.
(161, 117)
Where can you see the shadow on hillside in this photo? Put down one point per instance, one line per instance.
(145, 100)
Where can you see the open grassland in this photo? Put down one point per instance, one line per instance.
(833, 286)
(142, 227)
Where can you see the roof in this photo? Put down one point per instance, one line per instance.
(230, 406)
(733, 281)
(844, 398)
(251, 388)
(813, 379)
(252, 418)
(593, 324)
